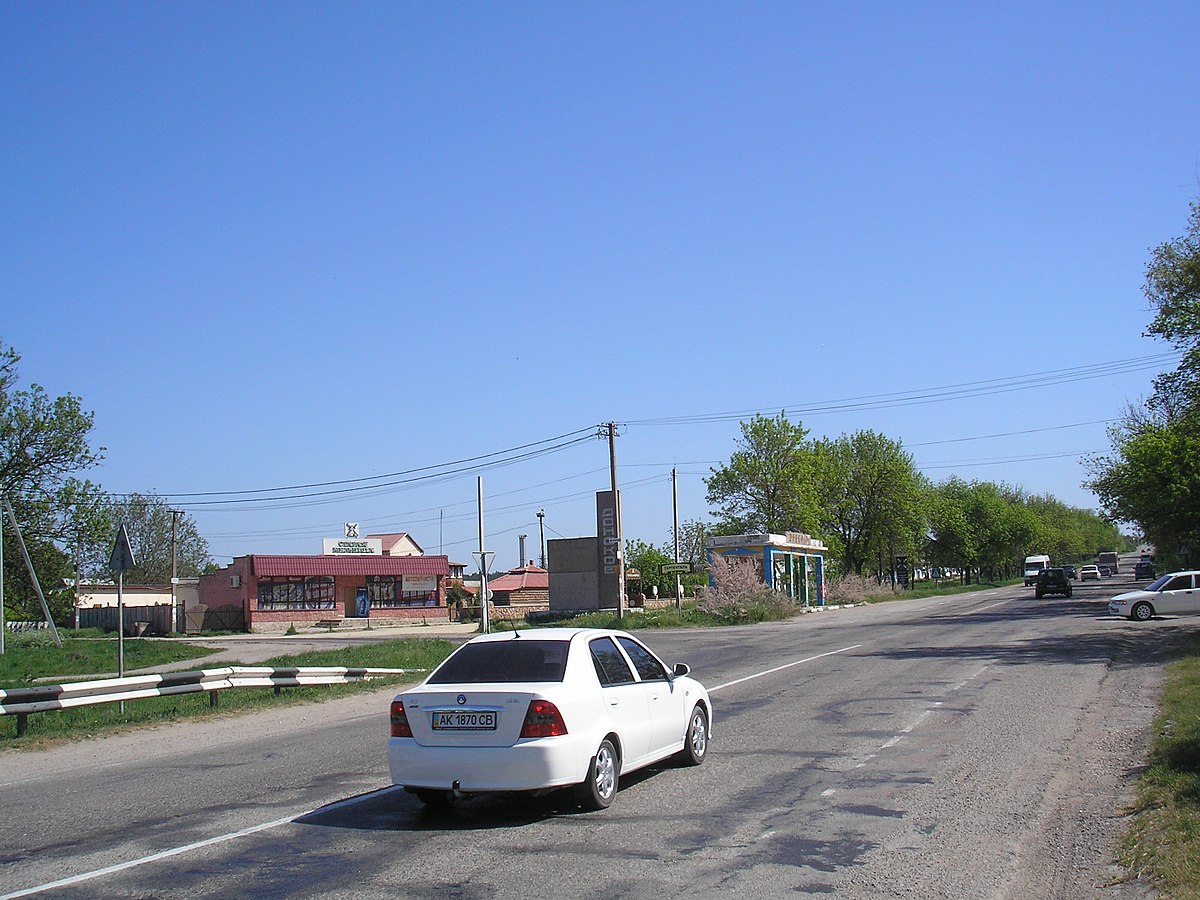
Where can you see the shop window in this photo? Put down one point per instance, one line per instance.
(296, 593)
(387, 592)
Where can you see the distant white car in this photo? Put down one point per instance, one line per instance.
(1177, 593)
(1089, 573)
(541, 709)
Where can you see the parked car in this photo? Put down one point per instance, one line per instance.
(1177, 593)
(1052, 581)
(1089, 573)
(1143, 570)
(1071, 571)
(545, 709)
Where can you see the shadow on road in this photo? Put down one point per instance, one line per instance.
(394, 810)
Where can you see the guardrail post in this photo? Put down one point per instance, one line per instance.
(212, 699)
(22, 723)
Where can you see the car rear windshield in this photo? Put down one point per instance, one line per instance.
(518, 660)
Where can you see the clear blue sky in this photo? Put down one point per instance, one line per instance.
(275, 244)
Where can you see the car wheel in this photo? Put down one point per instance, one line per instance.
(598, 791)
(1143, 612)
(695, 741)
(1038, 594)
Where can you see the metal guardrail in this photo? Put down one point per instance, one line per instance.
(20, 702)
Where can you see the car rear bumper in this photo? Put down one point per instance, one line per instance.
(525, 766)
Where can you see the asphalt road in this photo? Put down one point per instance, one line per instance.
(976, 746)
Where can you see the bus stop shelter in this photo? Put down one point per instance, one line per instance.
(791, 563)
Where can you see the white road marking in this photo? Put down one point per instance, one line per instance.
(186, 848)
(798, 662)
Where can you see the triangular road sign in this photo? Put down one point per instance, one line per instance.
(122, 555)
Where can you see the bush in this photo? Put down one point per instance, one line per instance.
(851, 588)
(740, 594)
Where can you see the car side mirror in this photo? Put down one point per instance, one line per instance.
(681, 669)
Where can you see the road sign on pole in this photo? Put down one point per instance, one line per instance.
(121, 562)
(680, 568)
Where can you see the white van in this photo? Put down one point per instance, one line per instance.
(1033, 565)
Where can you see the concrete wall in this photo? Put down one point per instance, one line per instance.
(574, 581)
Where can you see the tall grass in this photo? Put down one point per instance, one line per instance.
(34, 657)
(1164, 841)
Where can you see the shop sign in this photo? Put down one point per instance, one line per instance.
(426, 583)
(351, 547)
(608, 549)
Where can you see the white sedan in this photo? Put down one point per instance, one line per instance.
(1089, 573)
(1175, 594)
(542, 709)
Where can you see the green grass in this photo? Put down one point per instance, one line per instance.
(934, 589)
(1164, 841)
(34, 657)
(97, 657)
(633, 619)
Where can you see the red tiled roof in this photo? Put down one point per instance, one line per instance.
(527, 578)
(284, 566)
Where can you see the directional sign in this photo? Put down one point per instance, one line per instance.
(122, 554)
(683, 568)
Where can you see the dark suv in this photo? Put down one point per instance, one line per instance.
(1144, 569)
(1052, 581)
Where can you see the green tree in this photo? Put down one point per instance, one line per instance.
(44, 441)
(767, 485)
(1152, 476)
(1153, 479)
(693, 548)
(871, 499)
(974, 527)
(647, 558)
(1173, 288)
(148, 521)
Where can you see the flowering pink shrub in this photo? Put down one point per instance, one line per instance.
(740, 595)
(851, 588)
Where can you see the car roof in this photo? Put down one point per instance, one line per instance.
(547, 634)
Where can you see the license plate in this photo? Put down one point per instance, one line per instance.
(464, 720)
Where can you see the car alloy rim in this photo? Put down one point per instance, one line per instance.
(606, 773)
(699, 735)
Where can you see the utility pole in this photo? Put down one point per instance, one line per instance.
(675, 516)
(175, 611)
(612, 466)
(37, 586)
(542, 531)
(2, 628)
(483, 556)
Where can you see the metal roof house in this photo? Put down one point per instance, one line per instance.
(275, 592)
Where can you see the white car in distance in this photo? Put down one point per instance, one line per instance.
(542, 709)
(1175, 594)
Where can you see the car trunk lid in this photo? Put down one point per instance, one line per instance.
(468, 715)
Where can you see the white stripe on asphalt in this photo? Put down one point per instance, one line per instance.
(175, 851)
(798, 662)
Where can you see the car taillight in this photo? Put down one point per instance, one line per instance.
(543, 719)
(400, 726)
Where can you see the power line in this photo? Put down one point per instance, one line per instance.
(369, 490)
(365, 478)
(961, 391)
